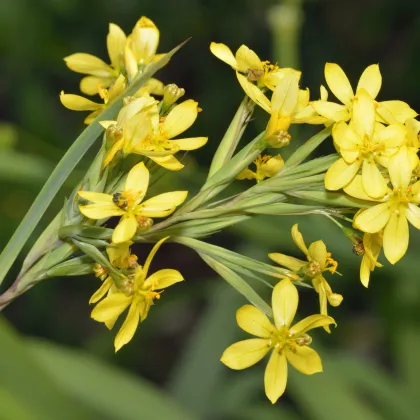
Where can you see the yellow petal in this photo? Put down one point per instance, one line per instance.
(127, 330)
(110, 307)
(298, 239)
(161, 203)
(374, 219)
(340, 174)
(338, 83)
(78, 103)
(130, 62)
(304, 359)
(395, 111)
(285, 301)
(254, 321)
(413, 215)
(246, 59)
(373, 181)
(90, 85)
(169, 162)
(145, 40)
(98, 198)
(224, 53)
(363, 114)
(291, 263)
(125, 229)
(370, 80)
(254, 93)
(88, 64)
(102, 291)
(365, 269)
(151, 255)
(163, 279)
(117, 253)
(100, 211)
(138, 181)
(309, 323)
(318, 252)
(330, 110)
(396, 237)
(191, 143)
(392, 136)
(246, 353)
(323, 93)
(344, 136)
(180, 118)
(115, 43)
(356, 190)
(400, 169)
(275, 377)
(285, 96)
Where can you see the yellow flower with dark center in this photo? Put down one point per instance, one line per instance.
(138, 295)
(247, 62)
(129, 204)
(364, 143)
(318, 262)
(288, 343)
(371, 81)
(265, 167)
(398, 207)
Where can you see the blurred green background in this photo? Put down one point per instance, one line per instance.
(55, 362)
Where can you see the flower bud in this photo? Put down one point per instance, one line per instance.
(171, 93)
(144, 223)
(335, 299)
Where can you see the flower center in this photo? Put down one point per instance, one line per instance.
(124, 200)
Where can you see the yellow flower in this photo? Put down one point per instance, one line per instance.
(159, 144)
(79, 103)
(288, 105)
(364, 143)
(141, 47)
(138, 295)
(266, 167)
(370, 81)
(247, 62)
(318, 261)
(372, 244)
(288, 343)
(101, 75)
(129, 127)
(396, 207)
(120, 257)
(128, 204)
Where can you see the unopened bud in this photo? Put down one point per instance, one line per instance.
(279, 139)
(144, 223)
(335, 299)
(171, 93)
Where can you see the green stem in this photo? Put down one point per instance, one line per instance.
(232, 136)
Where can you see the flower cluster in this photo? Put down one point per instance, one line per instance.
(375, 174)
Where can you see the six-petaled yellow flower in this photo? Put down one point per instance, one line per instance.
(318, 261)
(247, 62)
(138, 294)
(129, 204)
(396, 208)
(364, 144)
(288, 343)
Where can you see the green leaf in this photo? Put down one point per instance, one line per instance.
(237, 283)
(66, 166)
(110, 391)
(333, 199)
